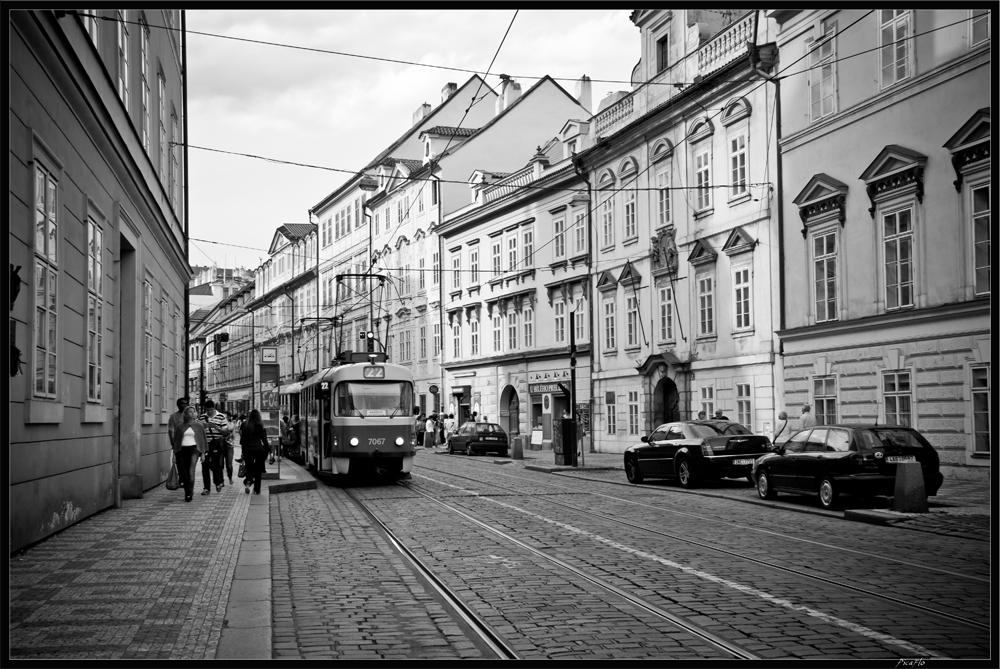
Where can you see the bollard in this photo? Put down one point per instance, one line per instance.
(518, 451)
(910, 495)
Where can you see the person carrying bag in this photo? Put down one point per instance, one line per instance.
(253, 441)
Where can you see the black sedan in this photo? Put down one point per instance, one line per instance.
(474, 438)
(693, 450)
(853, 459)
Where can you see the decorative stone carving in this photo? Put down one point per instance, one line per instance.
(664, 251)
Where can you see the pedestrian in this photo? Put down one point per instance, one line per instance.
(177, 417)
(253, 441)
(216, 428)
(284, 436)
(418, 425)
(808, 420)
(294, 436)
(188, 444)
(429, 431)
(701, 415)
(449, 428)
(230, 450)
(781, 425)
(475, 416)
(719, 415)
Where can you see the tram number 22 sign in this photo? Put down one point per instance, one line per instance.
(374, 372)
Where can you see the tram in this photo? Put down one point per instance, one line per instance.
(359, 419)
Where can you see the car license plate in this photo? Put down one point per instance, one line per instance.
(895, 459)
(743, 461)
(491, 438)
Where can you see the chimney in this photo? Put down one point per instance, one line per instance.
(448, 90)
(583, 93)
(422, 111)
(510, 91)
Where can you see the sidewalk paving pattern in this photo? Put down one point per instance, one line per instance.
(163, 579)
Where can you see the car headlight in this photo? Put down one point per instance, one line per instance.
(354, 441)
(399, 441)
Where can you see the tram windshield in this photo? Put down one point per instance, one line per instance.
(388, 399)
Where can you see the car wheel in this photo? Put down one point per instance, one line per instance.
(685, 476)
(764, 488)
(632, 470)
(828, 493)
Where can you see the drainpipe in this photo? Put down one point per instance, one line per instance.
(581, 172)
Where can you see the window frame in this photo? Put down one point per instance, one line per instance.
(827, 258)
(706, 304)
(122, 60)
(665, 303)
(512, 328)
(825, 401)
(706, 395)
(703, 178)
(898, 396)
(582, 245)
(46, 261)
(972, 187)
(611, 413)
(559, 238)
(738, 181)
(528, 321)
(903, 16)
(147, 352)
(95, 306)
(663, 180)
(744, 404)
(559, 320)
(818, 64)
(745, 301)
(607, 220)
(497, 333)
(897, 238)
(474, 266)
(630, 228)
(144, 69)
(633, 412)
(474, 335)
(973, 21)
(986, 391)
(610, 313)
(631, 321)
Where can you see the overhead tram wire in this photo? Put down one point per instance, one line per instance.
(367, 57)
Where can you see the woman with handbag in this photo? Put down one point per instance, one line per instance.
(253, 441)
(189, 444)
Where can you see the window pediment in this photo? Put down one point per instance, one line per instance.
(895, 169)
(739, 241)
(606, 179)
(661, 149)
(402, 240)
(735, 110)
(627, 167)
(606, 281)
(419, 234)
(629, 276)
(701, 253)
(970, 146)
(822, 195)
(700, 129)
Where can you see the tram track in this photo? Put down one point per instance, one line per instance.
(855, 590)
(700, 517)
(503, 650)
(763, 563)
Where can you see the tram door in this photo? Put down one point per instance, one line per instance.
(325, 441)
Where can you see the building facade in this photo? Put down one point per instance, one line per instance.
(683, 231)
(887, 229)
(515, 296)
(98, 231)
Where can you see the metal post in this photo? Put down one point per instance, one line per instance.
(572, 384)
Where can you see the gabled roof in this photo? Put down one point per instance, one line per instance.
(514, 105)
(202, 289)
(976, 129)
(629, 276)
(292, 232)
(606, 281)
(738, 241)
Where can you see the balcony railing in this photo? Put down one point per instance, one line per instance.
(725, 47)
(509, 184)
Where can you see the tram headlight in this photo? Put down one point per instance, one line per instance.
(399, 441)
(354, 441)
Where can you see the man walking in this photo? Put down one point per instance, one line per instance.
(216, 429)
(808, 420)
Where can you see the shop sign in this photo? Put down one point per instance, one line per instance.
(534, 388)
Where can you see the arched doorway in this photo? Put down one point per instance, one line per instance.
(510, 412)
(666, 402)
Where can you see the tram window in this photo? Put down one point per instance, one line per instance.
(374, 399)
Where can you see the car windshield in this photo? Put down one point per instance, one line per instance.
(715, 429)
(892, 439)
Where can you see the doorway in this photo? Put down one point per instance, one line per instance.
(666, 402)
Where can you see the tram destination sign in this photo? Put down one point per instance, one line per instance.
(374, 372)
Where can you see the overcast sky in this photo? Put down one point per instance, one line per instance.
(340, 111)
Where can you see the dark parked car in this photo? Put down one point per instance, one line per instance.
(693, 450)
(860, 460)
(474, 438)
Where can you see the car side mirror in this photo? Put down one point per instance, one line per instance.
(644, 439)
(780, 450)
